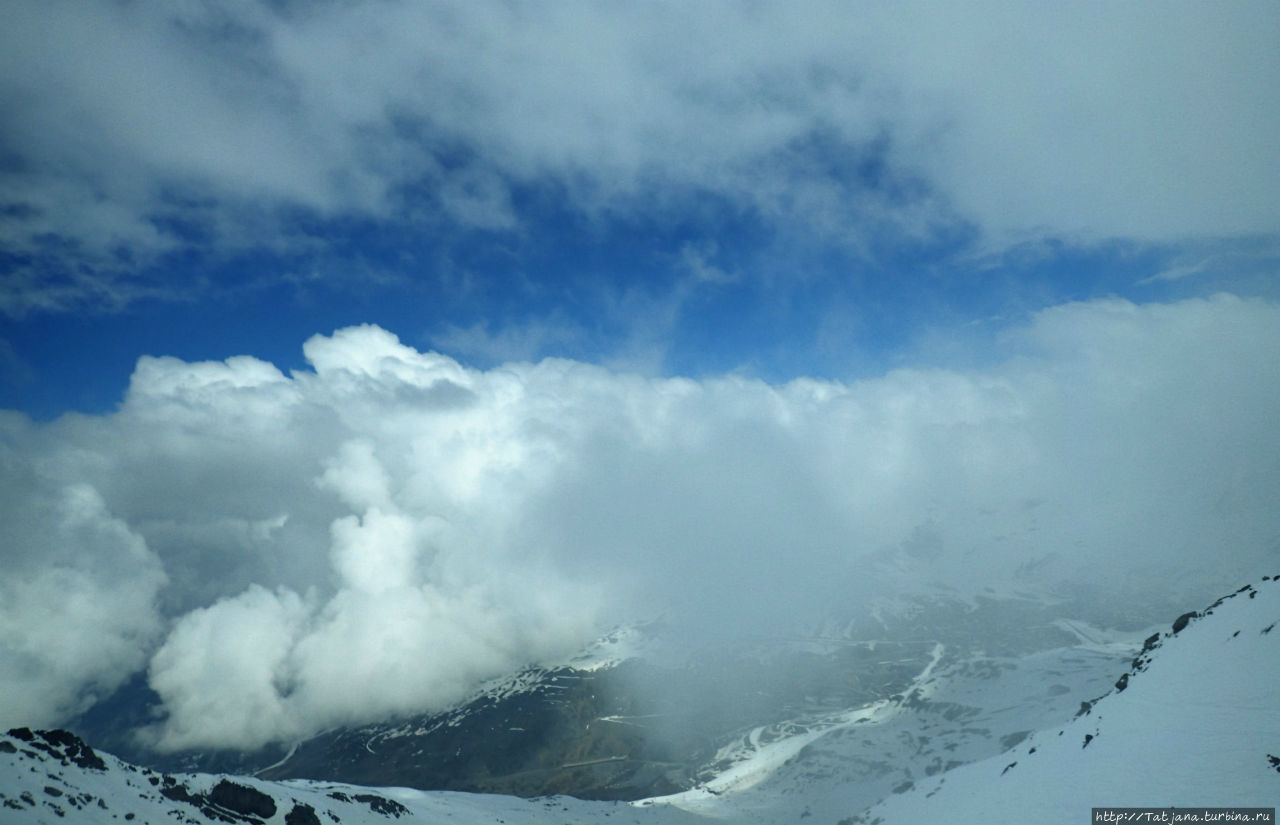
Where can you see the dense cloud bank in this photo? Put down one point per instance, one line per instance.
(376, 534)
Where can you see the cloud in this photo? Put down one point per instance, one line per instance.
(1175, 273)
(78, 599)
(1098, 119)
(378, 533)
(139, 128)
(221, 670)
(513, 342)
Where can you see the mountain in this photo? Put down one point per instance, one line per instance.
(635, 719)
(624, 727)
(956, 710)
(49, 777)
(1193, 722)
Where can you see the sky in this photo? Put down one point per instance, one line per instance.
(369, 349)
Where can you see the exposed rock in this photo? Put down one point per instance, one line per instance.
(381, 805)
(1182, 621)
(242, 799)
(179, 793)
(62, 745)
(301, 814)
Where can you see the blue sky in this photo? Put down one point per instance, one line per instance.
(828, 191)
(345, 341)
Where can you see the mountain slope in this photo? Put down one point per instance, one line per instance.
(49, 777)
(1195, 722)
(1185, 716)
(622, 730)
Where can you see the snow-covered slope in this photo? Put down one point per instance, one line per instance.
(52, 777)
(962, 707)
(1194, 723)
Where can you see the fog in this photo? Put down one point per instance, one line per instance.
(380, 532)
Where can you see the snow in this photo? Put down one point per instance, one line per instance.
(1104, 639)
(37, 789)
(1194, 727)
(288, 755)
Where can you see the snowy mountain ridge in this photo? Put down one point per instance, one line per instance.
(51, 777)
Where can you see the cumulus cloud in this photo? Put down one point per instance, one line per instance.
(221, 672)
(378, 533)
(143, 126)
(78, 598)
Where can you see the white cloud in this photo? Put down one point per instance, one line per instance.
(1090, 121)
(77, 601)
(513, 342)
(1175, 273)
(221, 671)
(1095, 118)
(376, 535)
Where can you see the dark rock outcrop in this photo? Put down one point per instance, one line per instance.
(382, 805)
(301, 814)
(1182, 621)
(63, 746)
(242, 799)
